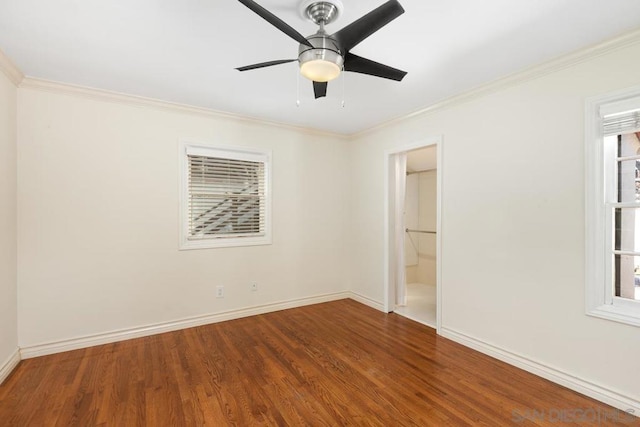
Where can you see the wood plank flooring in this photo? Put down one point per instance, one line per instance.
(338, 363)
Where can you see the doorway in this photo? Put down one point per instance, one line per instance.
(413, 194)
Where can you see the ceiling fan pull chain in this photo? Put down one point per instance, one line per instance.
(343, 85)
(297, 88)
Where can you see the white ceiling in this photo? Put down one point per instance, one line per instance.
(186, 51)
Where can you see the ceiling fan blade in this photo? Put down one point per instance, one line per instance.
(276, 22)
(362, 28)
(264, 64)
(357, 64)
(320, 89)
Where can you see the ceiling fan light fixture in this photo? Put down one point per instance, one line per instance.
(320, 70)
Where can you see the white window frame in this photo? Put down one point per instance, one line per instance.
(208, 149)
(600, 298)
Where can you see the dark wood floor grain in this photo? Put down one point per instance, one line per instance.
(339, 363)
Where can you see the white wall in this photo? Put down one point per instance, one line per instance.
(513, 220)
(98, 225)
(8, 239)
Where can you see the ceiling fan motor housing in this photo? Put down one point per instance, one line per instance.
(326, 54)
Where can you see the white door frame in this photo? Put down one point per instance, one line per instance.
(389, 237)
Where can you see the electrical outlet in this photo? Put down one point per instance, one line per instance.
(219, 291)
(253, 286)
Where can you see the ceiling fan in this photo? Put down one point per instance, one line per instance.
(322, 56)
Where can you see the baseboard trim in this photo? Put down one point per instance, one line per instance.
(366, 301)
(595, 391)
(30, 351)
(587, 388)
(9, 365)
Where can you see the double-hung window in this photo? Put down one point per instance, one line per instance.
(224, 196)
(613, 206)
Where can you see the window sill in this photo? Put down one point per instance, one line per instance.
(187, 245)
(628, 315)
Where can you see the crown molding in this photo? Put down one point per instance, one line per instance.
(10, 69)
(531, 73)
(559, 63)
(141, 101)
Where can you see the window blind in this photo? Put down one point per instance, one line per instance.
(226, 197)
(619, 124)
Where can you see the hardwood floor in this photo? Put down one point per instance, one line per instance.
(338, 363)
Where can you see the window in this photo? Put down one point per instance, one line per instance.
(224, 197)
(613, 206)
